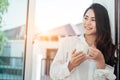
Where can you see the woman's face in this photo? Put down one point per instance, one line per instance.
(89, 23)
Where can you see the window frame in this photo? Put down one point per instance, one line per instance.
(28, 54)
(117, 34)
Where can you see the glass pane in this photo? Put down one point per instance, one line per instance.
(12, 38)
(54, 19)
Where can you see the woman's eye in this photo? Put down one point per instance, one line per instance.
(85, 18)
(93, 20)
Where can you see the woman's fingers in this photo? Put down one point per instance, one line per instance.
(80, 58)
(77, 58)
(94, 53)
(80, 55)
(74, 53)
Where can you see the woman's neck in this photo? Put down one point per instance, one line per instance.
(90, 39)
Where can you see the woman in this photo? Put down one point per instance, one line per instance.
(73, 63)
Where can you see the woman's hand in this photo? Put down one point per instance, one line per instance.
(97, 55)
(76, 59)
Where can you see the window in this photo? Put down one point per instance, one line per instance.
(12, 38)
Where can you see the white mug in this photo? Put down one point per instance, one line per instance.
(82, 47)
(91, 70)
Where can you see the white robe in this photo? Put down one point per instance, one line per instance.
(59, 67)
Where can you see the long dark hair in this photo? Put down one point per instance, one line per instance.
(103, 32)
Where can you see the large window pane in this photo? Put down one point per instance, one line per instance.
(54, 20)
(12, 38)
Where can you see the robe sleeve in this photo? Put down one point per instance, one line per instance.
(105, 74)
(59, 67)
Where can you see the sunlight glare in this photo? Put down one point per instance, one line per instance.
(54, 13)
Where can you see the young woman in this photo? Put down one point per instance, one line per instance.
(95, 45)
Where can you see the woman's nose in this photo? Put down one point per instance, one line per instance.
(88, 22)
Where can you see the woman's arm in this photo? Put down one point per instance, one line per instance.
(105, 74)
(97, 55)
(59, 67)
(103, 70)
(76, 59)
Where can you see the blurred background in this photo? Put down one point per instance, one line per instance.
(31, 30)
